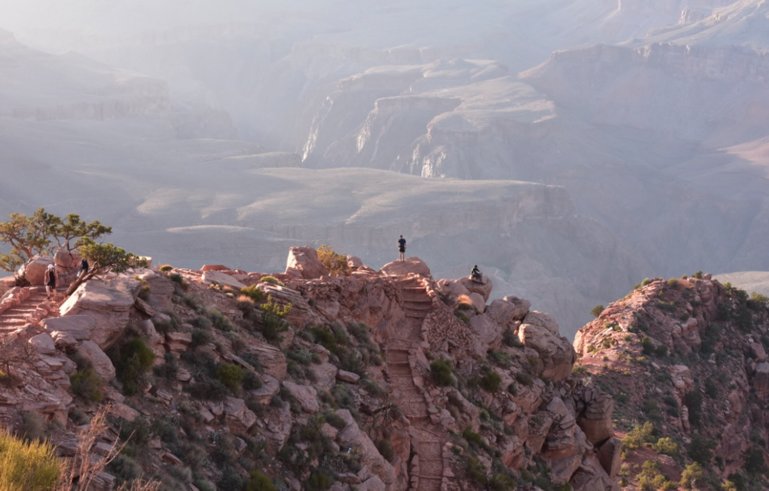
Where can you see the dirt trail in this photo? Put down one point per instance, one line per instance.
(427, 439)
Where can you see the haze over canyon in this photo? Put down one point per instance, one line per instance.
(569, 148)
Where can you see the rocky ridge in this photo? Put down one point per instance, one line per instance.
(361, 380)
(685, 360)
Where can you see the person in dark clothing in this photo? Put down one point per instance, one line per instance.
(476, 275)
(83, 267)
(402, 248)
(50, 280)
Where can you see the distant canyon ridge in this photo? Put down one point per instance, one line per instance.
(568, 148)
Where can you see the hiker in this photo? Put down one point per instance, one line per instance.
(402, 248)
(50, 280)
(83, 268)
(475, 275)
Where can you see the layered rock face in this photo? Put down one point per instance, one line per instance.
(313, 378)
(687, 358)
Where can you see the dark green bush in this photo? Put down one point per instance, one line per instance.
(490, 381)
(87, 384)
(524, 378)
(596, 311)
(254, 293)
(441, 372)
(231, 376)
(258, 481)
(132, 360)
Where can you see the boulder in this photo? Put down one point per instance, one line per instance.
(265, 393)
(591, 477)
(556, 352)
(271, 359)
(214, 267)
(223, 279)
(508, 310)
(178, 341)
(610, 456)
(483, 288)
(43, 343)
(302, 262)
(161, 290)
(98, 359)
(237, 415)
(352, 437)
(306, 396)
(487, 333)
(34, 270)
(109, 302)
(595, 416)
(77, 327)
(324, 375)
(348, 377)
(412, 265)
(541, 319)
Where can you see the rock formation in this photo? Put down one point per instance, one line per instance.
(381, 380)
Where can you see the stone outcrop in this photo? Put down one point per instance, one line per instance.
(303, 262)
(108, 302)
(411, 265)
(540, 333)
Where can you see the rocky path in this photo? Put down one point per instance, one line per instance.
(427, 439)
(23, 313)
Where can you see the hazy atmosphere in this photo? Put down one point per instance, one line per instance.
(570, 148)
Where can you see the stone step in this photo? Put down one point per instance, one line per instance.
(415, 315)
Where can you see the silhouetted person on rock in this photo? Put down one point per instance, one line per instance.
(402, 248)
(50, 280)
(476, 275)
(83, 267)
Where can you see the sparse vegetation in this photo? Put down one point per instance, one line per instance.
(335, 263)
(441, 372)
(596, 311)
(28, 466)
(132, 359)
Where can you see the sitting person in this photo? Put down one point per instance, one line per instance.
(476, 275)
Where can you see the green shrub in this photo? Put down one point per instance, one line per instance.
(132, 360)
(475, 470)
(441, 372)
(650, 478)
(176, 278)
(667, 446)
(231, 376)
(693, 401)
(87, 384)
(165, 268)
(258, 481)
(473, 438)
(319, 480)
(254, 293)
(28, 466)
(271, 280)
(208, 389)
(275, 308)
(754, 461)
(692, 475)
(335, 263)
(701, 449)
(524, 378)
(596, 311)
(490, 381)
(639, 435)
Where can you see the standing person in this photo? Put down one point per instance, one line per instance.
(402, 248)
(50, 280)
(83, 268)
